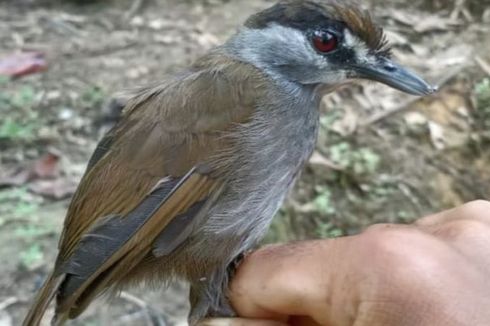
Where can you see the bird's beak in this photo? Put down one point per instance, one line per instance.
(392, 74)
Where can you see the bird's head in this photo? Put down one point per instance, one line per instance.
(322, 43)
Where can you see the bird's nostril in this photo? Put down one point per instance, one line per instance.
(389, 67)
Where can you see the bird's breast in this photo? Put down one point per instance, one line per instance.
(270, 152)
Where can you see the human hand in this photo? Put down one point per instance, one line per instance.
(434, 272)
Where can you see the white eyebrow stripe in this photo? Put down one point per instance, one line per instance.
(359, 47)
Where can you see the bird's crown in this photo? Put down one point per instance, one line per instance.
(314, 14)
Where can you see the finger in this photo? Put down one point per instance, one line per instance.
(477, 210)
(310, 278)
(240, 322)
(466, 229)
(471, 238)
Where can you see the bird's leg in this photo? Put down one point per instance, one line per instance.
(208, 297)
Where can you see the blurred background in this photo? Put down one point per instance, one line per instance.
(381, 156)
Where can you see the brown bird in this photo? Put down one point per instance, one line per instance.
(190, 177)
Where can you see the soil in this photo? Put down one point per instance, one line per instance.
(382, 156)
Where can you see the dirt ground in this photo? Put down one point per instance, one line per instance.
(382, 156)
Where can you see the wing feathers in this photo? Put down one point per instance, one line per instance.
(109, 235)
(44, 297)
(101, 150)
(115, 219)
(117, 246)
(177, 230)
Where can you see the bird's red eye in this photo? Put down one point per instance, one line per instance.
(324, 41)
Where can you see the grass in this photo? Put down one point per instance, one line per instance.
(92, 97)
(357, 161)
(15, 130)
(323, 201)
(31, 257)
(482, 97)
(354, 159)
(19, 221)
(17, 203)
(18, 105)
(27, 219)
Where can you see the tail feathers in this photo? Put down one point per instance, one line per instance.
(43, 299)
(59, 319)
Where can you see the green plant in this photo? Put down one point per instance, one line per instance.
(92, 97)
(280, 229)
(324, 207)
(406, 217)
(358, 161)
(482, 95)
(20, 120)
(323, 201)
(481, 114)
(30, 231)
(329, 118)
(4, 80)
(17, 203)
(12, 129)
(329, 230)
(31, 256)
(24, 97)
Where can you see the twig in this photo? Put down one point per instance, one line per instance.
(474, 185)
(64, 27)
(99, 52)
(140, 303)
(407, 192)
(408, 104)
(134, 9)
(134, 300)
(151, 317)
(318, 159)
(385, 114)
(8, 302)
(460, 8)
(484, 65)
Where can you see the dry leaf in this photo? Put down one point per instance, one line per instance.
(21, 64)
(437, 135)
(54, 189)
(427, 23)
(396, 38)
(319, 160)
(15, 177)
(433, 23)
(415, 119)
(403, 17)
(45, 167)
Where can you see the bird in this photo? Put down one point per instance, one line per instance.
(188, 180)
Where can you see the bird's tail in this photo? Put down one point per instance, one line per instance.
(45, 295)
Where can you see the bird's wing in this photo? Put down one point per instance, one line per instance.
(153, 168)
(165, 132)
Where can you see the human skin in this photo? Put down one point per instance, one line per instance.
(433, 272)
